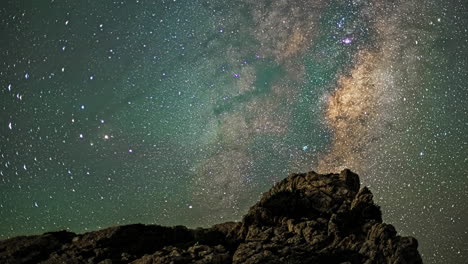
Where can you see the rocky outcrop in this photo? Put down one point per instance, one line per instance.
(306, 218)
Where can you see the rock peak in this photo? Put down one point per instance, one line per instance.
(305, 218)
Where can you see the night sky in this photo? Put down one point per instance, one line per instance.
(183, 112)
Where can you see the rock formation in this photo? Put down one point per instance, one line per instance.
(305, 218)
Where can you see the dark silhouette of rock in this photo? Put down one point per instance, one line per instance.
(305, 218)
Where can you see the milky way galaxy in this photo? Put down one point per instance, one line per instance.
(184, 112)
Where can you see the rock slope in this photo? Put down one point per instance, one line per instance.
(306, 218)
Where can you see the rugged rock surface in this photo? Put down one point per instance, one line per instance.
(306, 218)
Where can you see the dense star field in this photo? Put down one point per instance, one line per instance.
(184, 112)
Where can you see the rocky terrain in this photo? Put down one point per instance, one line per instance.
(306, 218)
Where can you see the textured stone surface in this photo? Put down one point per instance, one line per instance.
(306, 218)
